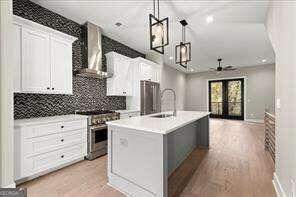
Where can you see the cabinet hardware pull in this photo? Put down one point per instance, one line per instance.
(62, 127)
(52, 88)
(62, 156)
(48, 88)
(62, 140)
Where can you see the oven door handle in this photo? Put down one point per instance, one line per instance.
(98, 128)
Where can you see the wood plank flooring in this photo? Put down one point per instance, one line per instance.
(235, 165)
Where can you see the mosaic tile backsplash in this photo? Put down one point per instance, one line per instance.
(88, 93)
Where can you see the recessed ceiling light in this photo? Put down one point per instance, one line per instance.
(264, 60)
(210, 19)
(118, 24)
(171, 58)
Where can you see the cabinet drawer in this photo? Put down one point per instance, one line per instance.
(53, 159)
(73, 125)
(42, 129)
(49, 143)
(47, 129)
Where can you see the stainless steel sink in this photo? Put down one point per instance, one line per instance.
(162, 116)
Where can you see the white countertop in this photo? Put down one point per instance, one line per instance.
(160, 125)
(127, 111)
(48, 119)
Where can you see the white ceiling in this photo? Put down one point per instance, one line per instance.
(237, 33)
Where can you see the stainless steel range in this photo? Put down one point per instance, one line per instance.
(98, 131)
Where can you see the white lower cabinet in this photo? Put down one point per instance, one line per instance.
(46, 144)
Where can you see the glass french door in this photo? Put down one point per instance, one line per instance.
(226, 98)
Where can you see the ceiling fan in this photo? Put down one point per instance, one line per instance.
(220, 68)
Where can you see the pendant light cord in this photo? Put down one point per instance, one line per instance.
(154, 6)
(183, 34)
(158, 9)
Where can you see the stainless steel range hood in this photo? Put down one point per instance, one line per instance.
(94, 49)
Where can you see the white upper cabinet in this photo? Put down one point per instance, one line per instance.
(61, 66)
(35, 61)
(142, 69)
(148, 70)
(120, 84)
(43, 59)
(145, 71)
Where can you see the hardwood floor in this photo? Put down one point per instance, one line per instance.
(235, 165)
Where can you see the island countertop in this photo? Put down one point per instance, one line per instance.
(160, 125)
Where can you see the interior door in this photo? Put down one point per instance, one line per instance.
(226, 98)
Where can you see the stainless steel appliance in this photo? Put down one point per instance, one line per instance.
(150, 97)
(98, 131)
(94, 51)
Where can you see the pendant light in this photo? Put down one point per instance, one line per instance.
(159, 30)
(183, 50)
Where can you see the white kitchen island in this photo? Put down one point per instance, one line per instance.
(143, 151)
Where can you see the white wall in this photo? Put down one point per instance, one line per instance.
(6, 97)
(281, 26)
(171, 78)
(260, 89)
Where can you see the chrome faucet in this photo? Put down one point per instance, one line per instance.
(174, 93)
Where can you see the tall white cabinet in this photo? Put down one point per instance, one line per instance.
(142, 69)
(43, 59)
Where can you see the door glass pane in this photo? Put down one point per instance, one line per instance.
(216, 98)
(234, 98)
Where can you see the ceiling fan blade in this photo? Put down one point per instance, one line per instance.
(227, 67)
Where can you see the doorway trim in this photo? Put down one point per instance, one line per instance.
(225, 78)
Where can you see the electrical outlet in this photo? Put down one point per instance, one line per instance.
(278, 103)
(123, 142)
(293, 192)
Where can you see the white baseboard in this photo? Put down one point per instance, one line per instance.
(12, 185)
(278, 187)
(255, 120)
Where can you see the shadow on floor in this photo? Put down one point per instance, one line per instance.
(183, 174)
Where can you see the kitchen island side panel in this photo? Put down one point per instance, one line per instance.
(183, 141)
(136, 162)
(203, 132)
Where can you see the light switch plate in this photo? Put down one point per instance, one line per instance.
(278, 103)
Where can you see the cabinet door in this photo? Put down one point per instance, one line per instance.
(127, 87)
(121, 82)
(61, 66)
(146, 72)
(35, 62)
(16, 57)
(155, 74)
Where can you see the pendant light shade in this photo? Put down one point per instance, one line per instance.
(159, 30)
(183, 50)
